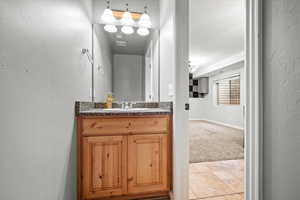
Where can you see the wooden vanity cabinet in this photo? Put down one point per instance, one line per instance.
(119, 159)
(104, 166)
(147, 163)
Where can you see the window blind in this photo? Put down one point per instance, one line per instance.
(228, 91)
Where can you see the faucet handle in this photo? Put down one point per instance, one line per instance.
(125, 105)
(132, 104)
(122, 104)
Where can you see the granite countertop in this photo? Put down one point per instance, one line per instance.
(140, 108)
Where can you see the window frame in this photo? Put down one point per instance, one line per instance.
(215, 89)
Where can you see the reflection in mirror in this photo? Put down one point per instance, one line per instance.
(128, 33)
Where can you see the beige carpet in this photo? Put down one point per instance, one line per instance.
(212, 142)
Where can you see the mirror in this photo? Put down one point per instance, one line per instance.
(130, 47)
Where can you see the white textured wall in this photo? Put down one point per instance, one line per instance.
(42, 73)
(281, 99)
(206, 108)
(127, 77)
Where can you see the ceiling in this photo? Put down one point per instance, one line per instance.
(216, 31)
(135, 44)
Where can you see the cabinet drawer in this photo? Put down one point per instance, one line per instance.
(128, 125)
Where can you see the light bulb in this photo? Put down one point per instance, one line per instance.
(127, 30)
(127, 19)
(145, 21)
(110, 28)
(143, 31)
(108, 17)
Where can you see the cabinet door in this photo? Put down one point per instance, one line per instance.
(104, 166)
(148, 163)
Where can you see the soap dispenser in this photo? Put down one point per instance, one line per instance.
(109, 100)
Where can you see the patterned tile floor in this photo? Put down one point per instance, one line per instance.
(220, 180)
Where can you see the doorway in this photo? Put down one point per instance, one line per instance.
(217, 100)
(149, 74)
(253, 97)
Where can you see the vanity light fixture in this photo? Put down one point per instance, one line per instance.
(127, 18)
(110, 28)
(127, 30)
(127, 22)
(145, 19)
(144, 24)
(143, 31)
(107, 16)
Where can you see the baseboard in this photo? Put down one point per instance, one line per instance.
(218, 123)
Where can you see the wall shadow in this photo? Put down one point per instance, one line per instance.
(70, 186)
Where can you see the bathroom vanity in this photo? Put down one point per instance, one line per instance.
(124, 153)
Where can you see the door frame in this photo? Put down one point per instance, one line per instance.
(254, 100)
(254, 103)
(149, 51)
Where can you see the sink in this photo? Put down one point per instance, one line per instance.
(96, 110)
(112, 109)
(122, 110)
(126, 109)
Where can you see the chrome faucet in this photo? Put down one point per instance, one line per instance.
(127, 105)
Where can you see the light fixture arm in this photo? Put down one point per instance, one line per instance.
(87, 53)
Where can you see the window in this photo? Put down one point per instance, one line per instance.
(228, 91)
